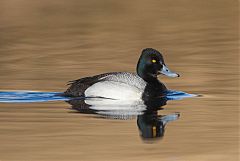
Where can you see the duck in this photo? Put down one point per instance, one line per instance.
(142, 85)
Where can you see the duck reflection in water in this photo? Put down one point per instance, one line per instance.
(150, 124)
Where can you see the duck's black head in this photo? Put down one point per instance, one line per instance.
(151, 64)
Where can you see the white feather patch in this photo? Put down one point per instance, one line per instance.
(114, 90)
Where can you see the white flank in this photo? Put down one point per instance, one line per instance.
(114, 90)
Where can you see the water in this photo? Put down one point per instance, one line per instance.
(37, 96)
(47, 43)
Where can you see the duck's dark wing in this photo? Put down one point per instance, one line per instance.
(78, 87)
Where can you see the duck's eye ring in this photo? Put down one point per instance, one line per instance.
(154, 61)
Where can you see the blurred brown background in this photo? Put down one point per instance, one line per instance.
(44, 44)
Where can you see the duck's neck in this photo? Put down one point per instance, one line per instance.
(148, 77)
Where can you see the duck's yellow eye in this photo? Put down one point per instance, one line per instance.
(154, 61)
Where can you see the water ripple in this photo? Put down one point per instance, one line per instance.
(38, 96)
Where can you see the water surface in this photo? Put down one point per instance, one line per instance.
(44, 44)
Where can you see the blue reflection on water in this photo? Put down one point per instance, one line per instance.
(36, 96)
(30, 96)
(178, 95)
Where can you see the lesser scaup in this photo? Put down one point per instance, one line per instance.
(125, 85)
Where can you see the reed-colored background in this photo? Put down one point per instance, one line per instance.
(43, 44)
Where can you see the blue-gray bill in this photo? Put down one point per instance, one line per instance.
(167, 72)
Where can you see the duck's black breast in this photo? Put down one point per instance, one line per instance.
(78, 87)
(153, 90)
